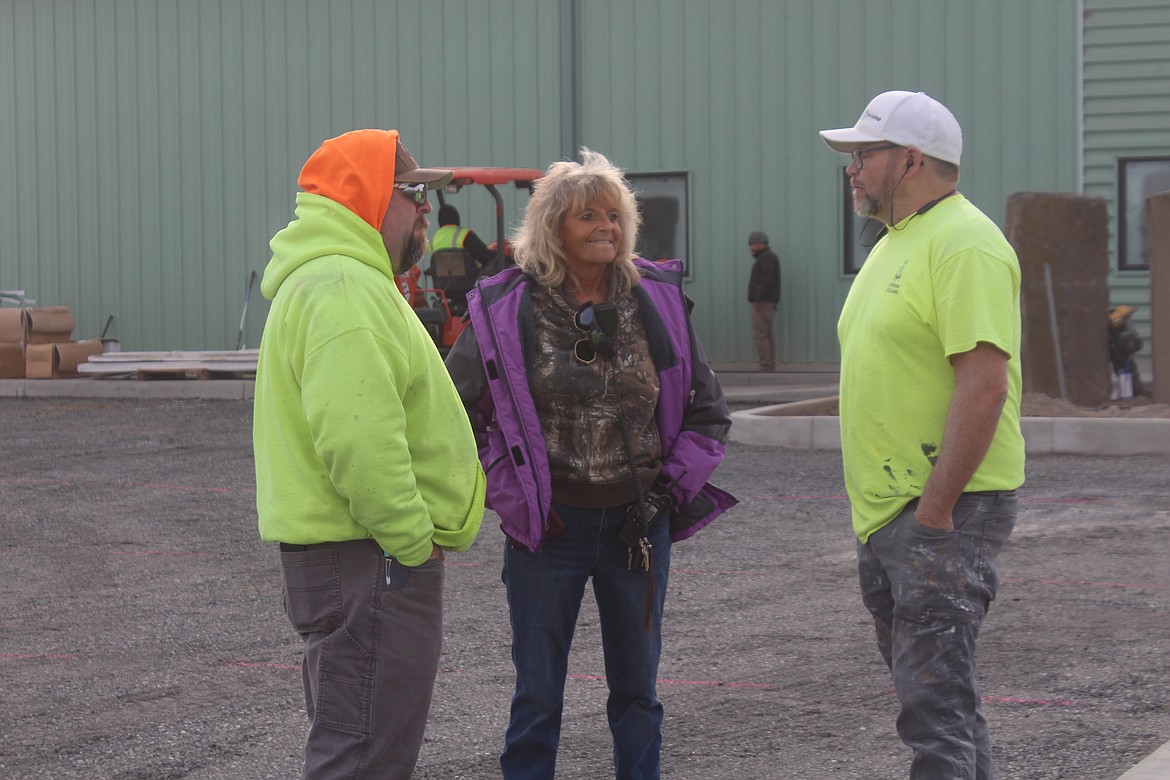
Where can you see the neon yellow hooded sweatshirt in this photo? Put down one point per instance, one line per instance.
(358, 431)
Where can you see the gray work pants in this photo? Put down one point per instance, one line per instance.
(373, 631)
(928, 591)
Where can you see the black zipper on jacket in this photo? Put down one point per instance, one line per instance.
(502, 371)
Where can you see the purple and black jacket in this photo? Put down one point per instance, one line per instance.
(489, 367)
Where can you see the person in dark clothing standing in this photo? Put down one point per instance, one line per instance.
(763, 295)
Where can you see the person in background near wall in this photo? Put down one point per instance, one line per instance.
(1124, 342)
(365, 462)
(601, 422)
(763, 295)
(930, 420)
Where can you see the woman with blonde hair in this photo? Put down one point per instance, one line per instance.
(599, 424)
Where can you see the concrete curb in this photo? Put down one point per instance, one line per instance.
(1097, 435)
(214, 390)
(777, 426)
(1155, 766)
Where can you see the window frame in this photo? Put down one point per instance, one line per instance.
(1131, 233)
(666, 183)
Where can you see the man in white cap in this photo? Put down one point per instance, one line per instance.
(930, 420)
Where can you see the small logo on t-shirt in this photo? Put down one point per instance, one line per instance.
(896, 283)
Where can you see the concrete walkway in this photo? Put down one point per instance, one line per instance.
(782, 425)
(774, 420)
(790, 413)
(1155, 766)
(211, 389)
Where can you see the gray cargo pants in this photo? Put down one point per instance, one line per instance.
(373, 631)
(928, 591)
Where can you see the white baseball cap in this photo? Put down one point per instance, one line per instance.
(906, 119)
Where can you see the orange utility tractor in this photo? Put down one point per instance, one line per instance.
(453, 272)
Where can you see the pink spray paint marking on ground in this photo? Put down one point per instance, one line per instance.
(711, 683)
(1014, 700)
(1039, 702)
(170, 486)
(1088, 583)
(259, 665)
(286, 667)
(162, 553)
(715, 571)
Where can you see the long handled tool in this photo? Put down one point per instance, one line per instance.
(109, 345)
(244, 315)
(1055, 332)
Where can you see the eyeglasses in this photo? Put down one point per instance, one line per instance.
(596, 322)
(416, 192)
(858, 155)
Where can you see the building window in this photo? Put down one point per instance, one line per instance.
(663, 200)
(860, 233)
(1137, 179)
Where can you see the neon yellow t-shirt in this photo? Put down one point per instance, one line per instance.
(935, 286)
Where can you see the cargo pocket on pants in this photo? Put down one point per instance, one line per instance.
(345, 684)
(341, 668)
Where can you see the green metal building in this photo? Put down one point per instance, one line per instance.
(149, 148)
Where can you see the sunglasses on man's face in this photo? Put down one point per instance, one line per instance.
(595, 322)
(416, 192)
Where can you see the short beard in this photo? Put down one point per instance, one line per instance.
(873, 207)
(879, 207)
(868, 207)
(412, 252)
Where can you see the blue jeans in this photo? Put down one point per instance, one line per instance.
(928, 591)
(544, 597)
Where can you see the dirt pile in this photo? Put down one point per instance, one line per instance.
(1040, 405)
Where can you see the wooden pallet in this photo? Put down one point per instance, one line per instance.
(172, 365)
(162, 372)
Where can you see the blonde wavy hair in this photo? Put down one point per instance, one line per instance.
(563, 191)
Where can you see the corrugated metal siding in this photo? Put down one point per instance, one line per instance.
(149, 148)
(1127, 114)
(734, 92)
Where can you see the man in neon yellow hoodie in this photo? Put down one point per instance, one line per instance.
(366, 466)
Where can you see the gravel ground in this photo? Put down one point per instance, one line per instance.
(141, 633)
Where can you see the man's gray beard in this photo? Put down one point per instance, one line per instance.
(412, 252)
(876, 207)
(868, 207)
